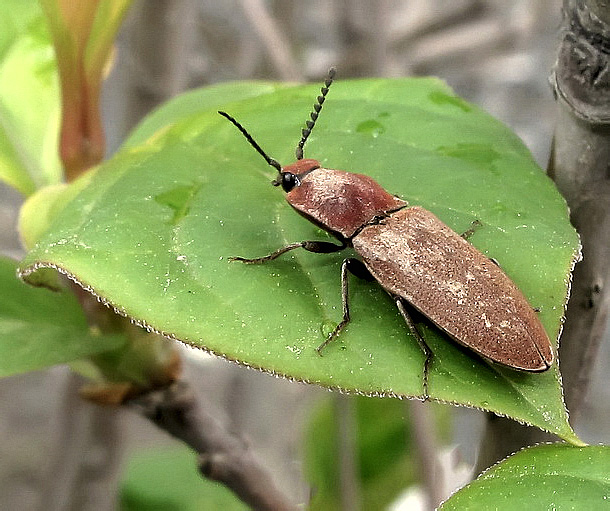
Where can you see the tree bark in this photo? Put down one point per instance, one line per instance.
(223, 456)
(580, 166)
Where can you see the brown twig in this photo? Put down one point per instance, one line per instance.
(87, 448)
(349, 477)
(272, 39)
(223, 456)
(424, 440)
(579, 167)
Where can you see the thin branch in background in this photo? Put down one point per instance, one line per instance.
(458, 42)
(579, 167)
(423, 18)
(349, 473)
(161, 35)
(86, 453)
(223, 456)
(248, 58)
(272, 37)
(379, 38)
(424, 441)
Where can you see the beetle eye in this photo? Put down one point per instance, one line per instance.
(289, 181)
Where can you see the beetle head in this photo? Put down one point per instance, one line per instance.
(290, 176)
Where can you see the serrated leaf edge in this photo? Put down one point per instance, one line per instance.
(29, 270)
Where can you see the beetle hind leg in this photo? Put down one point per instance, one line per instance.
(357, 268)
(420, 340)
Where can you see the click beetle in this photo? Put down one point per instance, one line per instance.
(417, 259)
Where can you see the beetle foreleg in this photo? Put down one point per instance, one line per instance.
(420, 340)
(357, 268)
(319, 247)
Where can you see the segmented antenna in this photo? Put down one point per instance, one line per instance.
(274, 163)
(314, 114)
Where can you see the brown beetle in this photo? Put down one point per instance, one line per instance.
(414, 256)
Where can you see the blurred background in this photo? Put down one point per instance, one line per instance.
(493, 53)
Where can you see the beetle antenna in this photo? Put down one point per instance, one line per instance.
(316, 111)
(274, 163)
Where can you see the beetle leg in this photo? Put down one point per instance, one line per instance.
(319, 247)
(357, 268)
(420, 340)
(473, 227)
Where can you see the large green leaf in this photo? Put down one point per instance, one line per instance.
(194, 103)
(544, 477)
(41, 328)
(41, 208)
(152, 232)
(29, 99)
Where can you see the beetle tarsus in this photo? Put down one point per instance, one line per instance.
(334, 333)
(270, 257)
(420, 340)
(348, 264)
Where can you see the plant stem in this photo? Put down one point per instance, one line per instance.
(272, 38)
(223, 456)
(579, 166)
(349, 473)
(424, 440)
